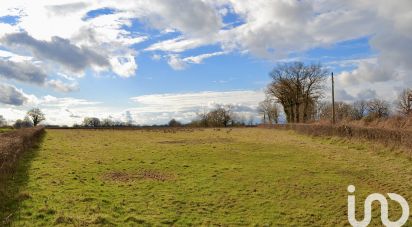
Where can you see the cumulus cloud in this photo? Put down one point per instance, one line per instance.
(61, 86)
(24, 71)
(11, 95)
(58, 50)
(176, 62)
(65, 9)
(366, 72)
(366, 94)
(343, 95)
(183, 15)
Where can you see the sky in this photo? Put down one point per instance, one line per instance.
(148, 61)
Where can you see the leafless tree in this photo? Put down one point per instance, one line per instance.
(405, 102)
(107, 122)
(91, 122)
(359, 110)
(221, 116)
(36, 116)
(378, 108)
(342, 110)
(26, 123)
(297, 87)
(269, 110)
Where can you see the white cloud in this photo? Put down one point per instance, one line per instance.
(24, 71)
(10, 95)
(189, 101)
(178, 63)
(200, 58)
(61, 86)
(177, 45)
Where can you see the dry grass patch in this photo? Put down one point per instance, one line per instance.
(119, 176)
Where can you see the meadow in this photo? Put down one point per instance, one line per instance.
(201, 177)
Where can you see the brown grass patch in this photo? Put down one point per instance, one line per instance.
(396, 138)
(198, 141)
(119, 176)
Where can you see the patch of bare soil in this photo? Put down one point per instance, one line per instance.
(198, 141)
(119, 176)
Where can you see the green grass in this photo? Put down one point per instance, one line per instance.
(204, 177)
(2, 130)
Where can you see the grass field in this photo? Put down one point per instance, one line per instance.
(202, 177)
(2, 130)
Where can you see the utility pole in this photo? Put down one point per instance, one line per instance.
(333, 101)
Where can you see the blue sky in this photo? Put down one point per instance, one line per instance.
(126, 59)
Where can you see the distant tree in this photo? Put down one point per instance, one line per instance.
(251, 121)
(343, 111)
(3, 121)
(378, 108)
(221, 116)
(119, 124)
(107, 122)
(91, 122)
(270, 111)
(174, 123)
(359, 110)
(297, 87)
(36, 116)
(405, 102)
(26, 123)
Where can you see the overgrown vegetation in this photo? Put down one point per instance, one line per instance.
(13, 144)
(394, 138)
(194, 177)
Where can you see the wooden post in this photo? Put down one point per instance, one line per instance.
(333, 101)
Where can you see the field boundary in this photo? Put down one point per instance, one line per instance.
(13, 144)
(388, 137)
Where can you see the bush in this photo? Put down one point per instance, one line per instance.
(12, 145)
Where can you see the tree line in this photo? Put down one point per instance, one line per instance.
(33, 117)
(295, 88)
(299, 89)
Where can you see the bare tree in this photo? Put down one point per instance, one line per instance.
(26, 123)
(270, 111)
(378, 108)
(359, 110)
(221, 116)
(91, 122)
(36, 116)
(107, 122)
(343, 111)
(405, 102)
(297, 87)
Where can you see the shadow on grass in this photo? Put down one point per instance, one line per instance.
(13, 183)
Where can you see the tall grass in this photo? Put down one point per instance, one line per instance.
(398, 138)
